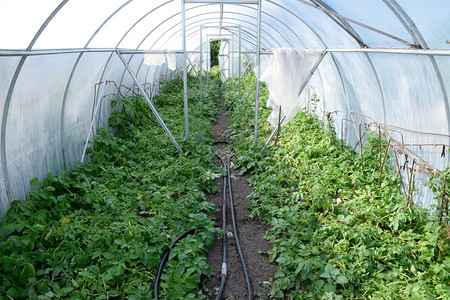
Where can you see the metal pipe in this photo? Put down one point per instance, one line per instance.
(249, 93)
(185, 87)
(201, 65)
(311, 72)
(149, 102)
(240, 62)
(91, 127)
(443, 52)
(272, 134)
(327, 11)
(7, 103)
(258, 73)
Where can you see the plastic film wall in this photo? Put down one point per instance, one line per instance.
(386, 61)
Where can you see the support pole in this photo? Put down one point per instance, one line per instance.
(185, 87)
(275, 130)
(149, 102)
(311, 73)
(240, 62)
(91, 127)
(208, 57)
(258, 72)
(201, 65)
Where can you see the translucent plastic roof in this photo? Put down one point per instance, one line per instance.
(388, 60)
(143, 24)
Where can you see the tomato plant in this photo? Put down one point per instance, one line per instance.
(340, 226)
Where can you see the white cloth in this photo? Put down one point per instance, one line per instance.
(154, 59)
(171, 60)
(284, 73)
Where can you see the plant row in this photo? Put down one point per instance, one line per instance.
(340, 226)
(99, 231)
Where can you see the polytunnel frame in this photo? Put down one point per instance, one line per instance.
(392, 4)
(228, 2)
(258, 54)
(209, 53)
(4, 119)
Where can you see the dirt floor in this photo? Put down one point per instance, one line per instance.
(250, 233)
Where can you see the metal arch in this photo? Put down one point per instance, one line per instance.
(195, 33)
(300, 19)
(250, 16)
(328, 11)
(268, 25)
(172, 35)
(270, 15)
(282, 35)
(9, 96)
(147, 14)
(424, 44)
(177, 25)
(342, 23)
(403, 22)
(69, 81)
(248, 33)
(344, 89)
(231, 23)
(128, 31)
(356, 36)
(333, 58)
(190, 25)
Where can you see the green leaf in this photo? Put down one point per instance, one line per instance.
(35, 182)
(341, 279)
(27, 272)
(13, 293)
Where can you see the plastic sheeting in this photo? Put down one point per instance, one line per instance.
(285, 72)
(47, 101)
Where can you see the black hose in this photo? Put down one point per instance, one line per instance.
(236, 236)
(224, 271)
(166, 255)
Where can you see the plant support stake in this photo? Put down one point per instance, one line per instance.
(147, 99)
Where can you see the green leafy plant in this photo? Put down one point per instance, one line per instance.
(340, 226)
(99, 230)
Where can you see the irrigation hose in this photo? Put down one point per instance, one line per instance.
(227, 179)
(224, 272)
(166, 255)
(236, 236)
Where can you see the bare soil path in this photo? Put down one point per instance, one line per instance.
(250, 232)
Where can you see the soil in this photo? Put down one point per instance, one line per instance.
(250, 233)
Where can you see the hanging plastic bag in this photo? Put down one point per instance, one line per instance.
(284, 73)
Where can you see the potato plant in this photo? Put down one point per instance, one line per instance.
(99, 230)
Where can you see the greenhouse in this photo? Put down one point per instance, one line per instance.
(224, 149)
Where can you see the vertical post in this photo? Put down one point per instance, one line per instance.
(208, 57)
(258, 72)
(201, 65)
(185, 87)
(240, 62)
(229, 57)
(232, 57)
